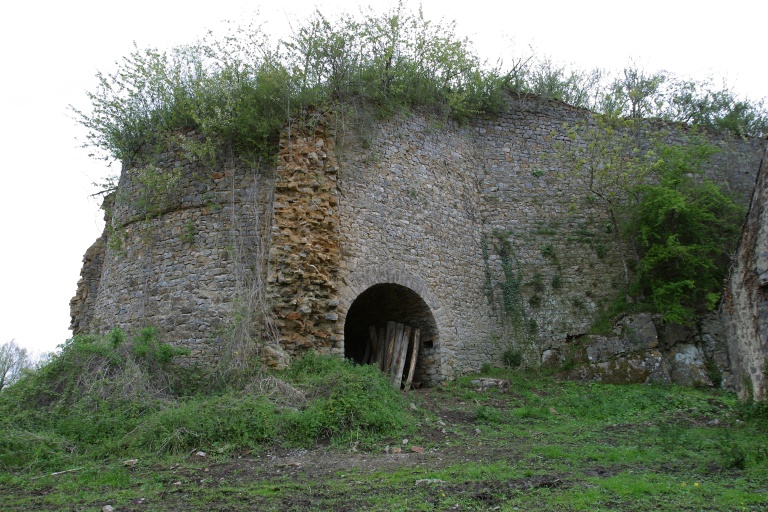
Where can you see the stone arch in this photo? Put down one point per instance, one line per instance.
(376, 295)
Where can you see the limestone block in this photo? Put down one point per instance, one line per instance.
(687, 366)
(637, 368)
(274, 357)
(638, 335)
(551, 358)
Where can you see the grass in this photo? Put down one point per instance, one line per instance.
(543, 445)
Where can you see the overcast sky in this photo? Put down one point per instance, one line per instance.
(50, 52)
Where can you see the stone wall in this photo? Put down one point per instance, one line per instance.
(83, 304)
(304, 253)
(410, 216)
(538, 227)
(745, 304)
(185, 268)
(466, 214)
(471, 233)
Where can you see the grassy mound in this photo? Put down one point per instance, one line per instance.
(106, 397)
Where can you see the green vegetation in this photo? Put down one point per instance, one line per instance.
(634, 93)
(676, 229)
(106, 397)
(238, 89)
(543, 445)
(512, 358)
(513, 279)
(685, 229)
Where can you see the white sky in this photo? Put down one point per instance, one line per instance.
(51, 50)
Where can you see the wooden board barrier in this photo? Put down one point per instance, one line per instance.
(414, 355)
(389, 347)
(399, 365)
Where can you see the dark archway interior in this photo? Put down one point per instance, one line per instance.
(379, 304)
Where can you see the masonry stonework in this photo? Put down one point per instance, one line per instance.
(179, 268)
(468, 232)
(304, 251)
(745, 304)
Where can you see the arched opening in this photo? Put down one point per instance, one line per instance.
(386, 302)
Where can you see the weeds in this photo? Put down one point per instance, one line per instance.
(346, 402)
(486, 414)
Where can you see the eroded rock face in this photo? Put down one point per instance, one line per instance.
(640, 367)
(638, 335)
(82, 304)
(687, 366)
(638, 354)
(631, 356)
(745, 304)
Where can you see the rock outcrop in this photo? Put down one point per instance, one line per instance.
(745, 303)
(637, 352)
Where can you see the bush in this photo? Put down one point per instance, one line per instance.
(239, 90)
(225, 422)
(512, 358)
(685, 229)
(23, 449)
(92, 367)
(486, 414)
(94, 391)
(100, 399)
(348, 401)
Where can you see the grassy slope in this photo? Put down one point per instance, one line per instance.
(544, 445)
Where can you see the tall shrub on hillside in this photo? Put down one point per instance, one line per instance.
(685, 229)
(13, 361)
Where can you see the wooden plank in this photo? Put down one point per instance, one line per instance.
(396, 337)
(370, 346)
(397, 375)
(414, 355)
(396, 348)
(386, 352)
(397, 340)
(381, 334)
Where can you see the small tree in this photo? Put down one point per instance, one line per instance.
(559, 82)
(607, 157)
(684, 228)
(673, 227)
(701, 103)
(635, 93)
(13, 361)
